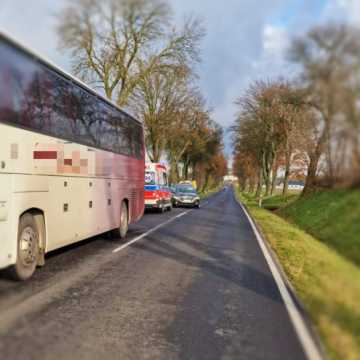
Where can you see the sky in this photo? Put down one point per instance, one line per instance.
(246, 40)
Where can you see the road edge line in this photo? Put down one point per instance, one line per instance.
(309, 346)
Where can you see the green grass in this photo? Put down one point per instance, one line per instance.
(277, 201)
(274, 202)
(327, 282)
(332, 217)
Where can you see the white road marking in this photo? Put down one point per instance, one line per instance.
(154, 229)
(150, 231)
(311, 350)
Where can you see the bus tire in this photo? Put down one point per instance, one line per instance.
(124, 220)
(27, 248)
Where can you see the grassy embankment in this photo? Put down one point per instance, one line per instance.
(317, 241)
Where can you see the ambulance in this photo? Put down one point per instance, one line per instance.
(157, 191)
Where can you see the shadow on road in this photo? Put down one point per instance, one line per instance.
(214, 261)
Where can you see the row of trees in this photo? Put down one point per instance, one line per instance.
(309, 125)
(134, 53)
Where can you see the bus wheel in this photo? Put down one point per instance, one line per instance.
(28, 249)
(124, 220)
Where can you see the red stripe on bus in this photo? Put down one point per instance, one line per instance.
(42, 155)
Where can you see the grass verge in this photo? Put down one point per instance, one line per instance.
(327, 283)
(278, 201)
(332, 217)
(273, 202)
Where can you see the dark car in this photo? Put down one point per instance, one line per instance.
(185, 195)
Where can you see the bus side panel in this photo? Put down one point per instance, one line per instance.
(99, 210)
(77, 210)
(63, 212)
(8, 228)
(78, 202)
(137, 181)
(8, 243)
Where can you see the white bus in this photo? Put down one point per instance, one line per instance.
(71, 163)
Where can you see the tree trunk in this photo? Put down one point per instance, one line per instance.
(286, 183)
(173, 178)
(310, 184)
(267, 164)
(193, 166)
(259, 184)
(247, 185)
(329, 154)
(206, 183)
(267, 186)
(267, 178)
(251, 186)
(243, 185)
(186, 170)
(356, 158)
(273, 182)
(156, 153)
(287, 175)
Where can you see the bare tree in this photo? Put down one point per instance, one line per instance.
(329, 56)
(294, 125)
(248, 138)
(261, 111)
(188, 121)
(132, 50)
(245, 168)
(115, 43)
(271, 126)
(156, 100)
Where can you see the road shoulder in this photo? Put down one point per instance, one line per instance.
(299, 317)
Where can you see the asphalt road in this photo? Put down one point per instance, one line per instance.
(197, 288)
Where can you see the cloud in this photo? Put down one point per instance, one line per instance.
(34, 26)
(233, 50)
(352, 9)
(275, 40)
(246, 39)
(343, 10)
(240, 43)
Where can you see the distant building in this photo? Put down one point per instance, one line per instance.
(293, 185)
(230, 178)
(296, 185)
